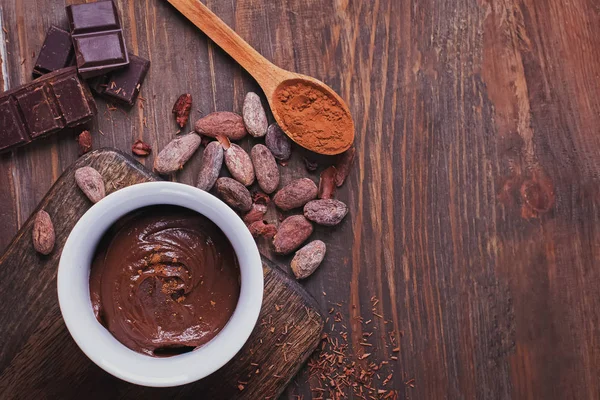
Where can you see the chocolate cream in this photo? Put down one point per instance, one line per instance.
(164, 280)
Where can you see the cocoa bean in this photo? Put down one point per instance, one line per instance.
(296, 194)
(91, 183)
(205, 140)
(292, 232)
(254, 115)
(234, 193)
(328, 212)
(212, 160)
(265, 168)
(221, 123)
(327, 183)
(278, 142)
(311, 166)
(42, 235)
(225, 142)
(182, 109)
(176, 153)
(85, 142)
(261, 198)
(344, 165)
(239, 164)
(307, 259)
(141, 149)
(259, 228)
(257, 213)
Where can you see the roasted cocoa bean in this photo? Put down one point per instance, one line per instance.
(278, 142)
(257, 213)
(91, 183)
(292, 232)
(141, 149)
(234, 193)
(239, 164)
(42, 235)
(254, 115)
(176, 153)
(328, 212)
(221, 123)
(265, 168)
(259, 228)
(327, 183)
(296, 194)
(212, 160)
(182, 109)
(85, 142)
(261, 198)
(307, 259)
(344, 165)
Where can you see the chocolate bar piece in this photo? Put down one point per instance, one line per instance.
(46, 106)
(56, 52)
(123, 85)
(97, 37)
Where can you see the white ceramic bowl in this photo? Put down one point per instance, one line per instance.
(99, 344)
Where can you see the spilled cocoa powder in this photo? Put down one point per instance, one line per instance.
(313, 118)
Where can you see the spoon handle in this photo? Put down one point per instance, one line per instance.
(266, 73)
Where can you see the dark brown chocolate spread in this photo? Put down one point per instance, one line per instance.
(164, 280)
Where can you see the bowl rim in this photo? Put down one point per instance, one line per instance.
(99, 344)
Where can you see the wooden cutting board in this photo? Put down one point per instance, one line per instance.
(43, 362)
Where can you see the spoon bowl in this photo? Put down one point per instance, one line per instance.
(311, 113)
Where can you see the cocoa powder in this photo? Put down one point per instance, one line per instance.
(313, 118)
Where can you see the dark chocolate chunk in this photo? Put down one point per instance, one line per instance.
(123, 85)
(46, 106)
(12, 130)
(97, 37)
(69, 94)
(93, 17)
(56, 52)
(40, 110)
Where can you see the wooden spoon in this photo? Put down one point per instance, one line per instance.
(309, 112)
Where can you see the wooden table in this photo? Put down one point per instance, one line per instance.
(475, 198)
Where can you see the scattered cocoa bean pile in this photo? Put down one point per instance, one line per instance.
(255, 177)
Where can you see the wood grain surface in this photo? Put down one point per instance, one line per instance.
(39, 359)
(475, 199)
